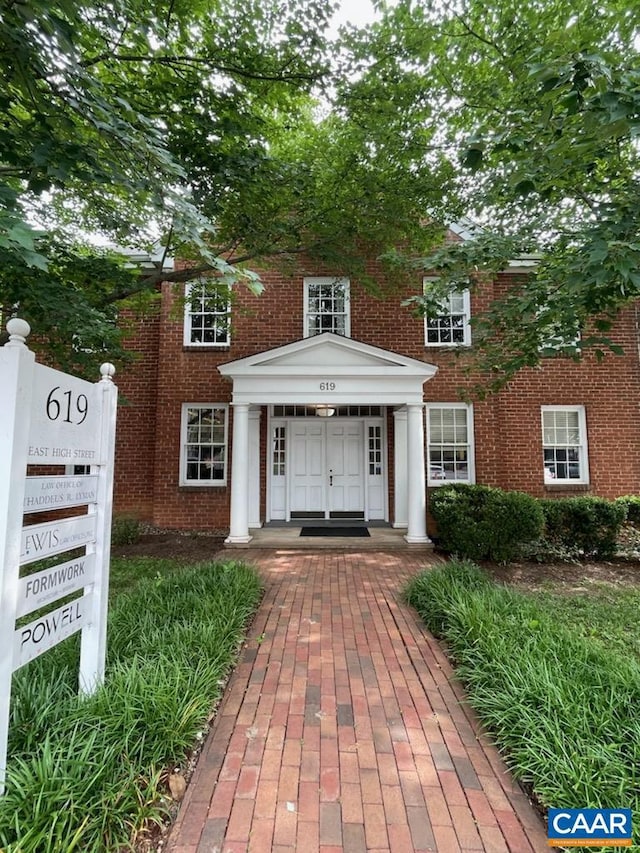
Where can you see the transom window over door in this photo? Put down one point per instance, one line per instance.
(207, 314)
(564, 444)
(326, 306)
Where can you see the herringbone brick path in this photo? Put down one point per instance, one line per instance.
(343, 729)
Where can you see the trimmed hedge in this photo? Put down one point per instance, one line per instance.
(587, 526)
(631, 503)
(485, 523)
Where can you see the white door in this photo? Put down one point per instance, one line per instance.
(345, 466)
(308, 472)
(327, 468)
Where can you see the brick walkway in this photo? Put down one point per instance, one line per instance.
(343, 729)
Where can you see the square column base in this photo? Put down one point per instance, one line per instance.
(417, 540)
(238, 540)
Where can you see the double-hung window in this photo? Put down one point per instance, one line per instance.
(326, 306)
(207, 314)
(450, 452)
(450, 328)
(564, 444)
(560, 339)
(203, 458)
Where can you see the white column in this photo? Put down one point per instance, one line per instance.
(416, 484)
(400, 467)
(239, 527)
(254, 468)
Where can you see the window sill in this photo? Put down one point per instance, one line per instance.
(206, 347)
(447, 346)
(567, 487)
(198, 487)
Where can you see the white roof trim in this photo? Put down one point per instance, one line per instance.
(155, 259)
(328, 368)
(465, 228)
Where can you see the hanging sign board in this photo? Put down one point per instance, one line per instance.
(45, 632)
(41, 588)
(65, 420)
(55, 537)
(44, 493)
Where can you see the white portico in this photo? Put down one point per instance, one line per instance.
(327, 397)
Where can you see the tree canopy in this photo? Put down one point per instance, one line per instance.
(540, 105)
(238, 135)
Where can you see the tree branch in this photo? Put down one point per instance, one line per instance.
(480, 38)
(197, 62)
(152, 279)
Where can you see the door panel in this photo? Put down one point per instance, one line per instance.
(308, 479)
(345, 466)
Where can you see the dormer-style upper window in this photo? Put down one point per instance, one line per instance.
(451, 328)
(207, 314)
(326, 306)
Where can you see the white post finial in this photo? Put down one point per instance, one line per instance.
(18, 332)
(107, 371)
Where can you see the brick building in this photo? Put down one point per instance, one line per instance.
(318, 400)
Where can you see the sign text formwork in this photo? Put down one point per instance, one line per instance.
(48, 418)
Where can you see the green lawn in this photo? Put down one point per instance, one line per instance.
(608, 615)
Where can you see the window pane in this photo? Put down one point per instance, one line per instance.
(449, 328)
(278, 450)
(208, 314)
(448, 450)
(204, 444)
(562, 444)
(327, 307)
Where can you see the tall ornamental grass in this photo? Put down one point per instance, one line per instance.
(564, 710)
(85, 774)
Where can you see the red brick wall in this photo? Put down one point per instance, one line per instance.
(136, 424)
(508, 441)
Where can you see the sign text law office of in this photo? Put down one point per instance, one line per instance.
(48, 418)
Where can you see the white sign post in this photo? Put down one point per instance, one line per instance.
(48, 418)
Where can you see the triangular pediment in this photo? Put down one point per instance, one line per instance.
(328, 368)
(327, 351)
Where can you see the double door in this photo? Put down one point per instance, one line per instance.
(327, 469)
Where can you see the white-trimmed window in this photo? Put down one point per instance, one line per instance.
(203, 442)
(450, 451)
(207, 314)
(450, 328)
(326, 306)
(564, 444)
(557, 342)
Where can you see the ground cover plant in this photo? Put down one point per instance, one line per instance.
(559, 693)
(87, 774)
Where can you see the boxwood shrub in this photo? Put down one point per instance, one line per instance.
(482, 522)
(631, 503)
(586, 526)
